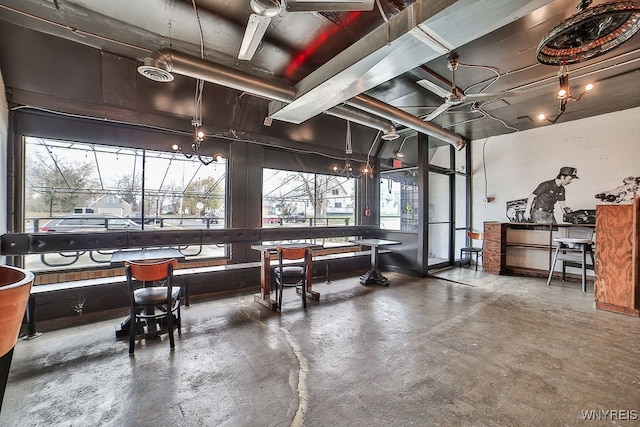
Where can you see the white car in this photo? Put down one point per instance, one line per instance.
(88, 223)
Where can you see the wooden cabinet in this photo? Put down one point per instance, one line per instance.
(616, 282)
(494, 254)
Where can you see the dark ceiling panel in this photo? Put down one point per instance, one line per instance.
(295, 46)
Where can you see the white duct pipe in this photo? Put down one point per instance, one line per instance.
(160, 64)
(379, 108)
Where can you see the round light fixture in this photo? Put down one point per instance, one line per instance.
(590, 33)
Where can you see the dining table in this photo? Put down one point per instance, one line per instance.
(266, 254)
(374, 275)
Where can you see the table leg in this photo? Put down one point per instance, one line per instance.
(584, 268)
(373, 275)
(310, 292)
(264, 297)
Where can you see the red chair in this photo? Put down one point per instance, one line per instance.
(472, 250)
(294, 275)
(152, 306)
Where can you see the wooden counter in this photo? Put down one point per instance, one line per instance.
(496, 245)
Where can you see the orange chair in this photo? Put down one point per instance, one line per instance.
(292, 274)
(472, 250)
(151, 305)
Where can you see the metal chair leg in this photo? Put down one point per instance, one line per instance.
(553, 264)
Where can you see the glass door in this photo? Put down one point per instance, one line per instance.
(439, 219)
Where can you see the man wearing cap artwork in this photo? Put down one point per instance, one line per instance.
(541, 202)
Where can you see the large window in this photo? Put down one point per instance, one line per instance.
(399, 200)
(82, 187)
(297, 198)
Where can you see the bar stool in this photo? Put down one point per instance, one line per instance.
(572, 250)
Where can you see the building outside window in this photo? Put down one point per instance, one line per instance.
(291, 198)
(68, 181)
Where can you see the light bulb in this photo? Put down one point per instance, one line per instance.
(541, 116)
(588, 87)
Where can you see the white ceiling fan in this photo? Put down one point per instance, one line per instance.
(457, 96)
(264, 10)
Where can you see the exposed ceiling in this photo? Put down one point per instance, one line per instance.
(347, 59)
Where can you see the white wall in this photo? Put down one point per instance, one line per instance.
(604, 149)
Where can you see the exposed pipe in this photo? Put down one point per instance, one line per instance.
(172, 61)
(374, 106)
(160, 64)
(358, 116)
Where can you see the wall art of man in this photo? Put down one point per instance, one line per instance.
(541, 203)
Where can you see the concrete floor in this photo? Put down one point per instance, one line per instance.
(467, 348)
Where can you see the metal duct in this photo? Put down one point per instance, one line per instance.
(374, 106)
(170, 61)
(190, 66)
(165, 61)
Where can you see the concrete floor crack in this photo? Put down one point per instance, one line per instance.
(303, 370)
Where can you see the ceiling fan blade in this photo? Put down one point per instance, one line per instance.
(485, 96)
(435, 113)
(434, 88)
(256, 27)
(328, 5)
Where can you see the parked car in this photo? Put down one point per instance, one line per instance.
(137, 218)
(296, 217)
(88, 223)
(272, 220)
(211, 218)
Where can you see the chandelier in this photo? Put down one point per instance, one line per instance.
(564, 94)
(198, 132)
(348, 171)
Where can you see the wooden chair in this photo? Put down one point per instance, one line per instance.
(294, 275)
(152, 306)
(472, 250)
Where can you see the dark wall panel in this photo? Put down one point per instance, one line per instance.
(49, 65)
(120, 88)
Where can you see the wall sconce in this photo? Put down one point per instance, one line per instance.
(564, 95)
